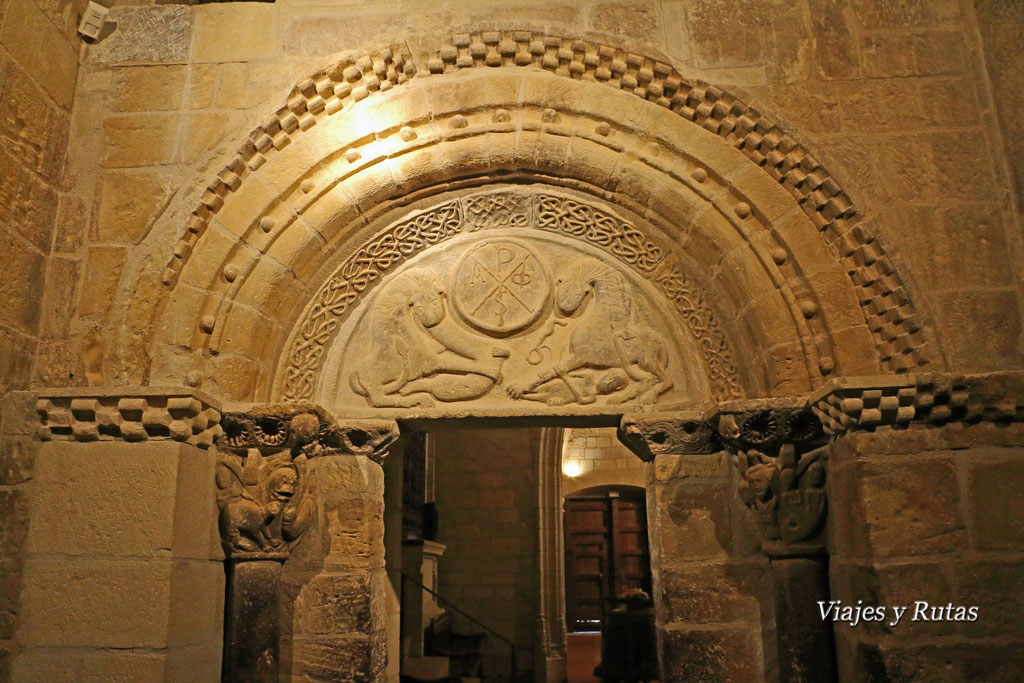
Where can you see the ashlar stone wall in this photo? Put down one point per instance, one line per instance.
(893, 98)
(486, 494)
(601, 458)
(37, 90)
(929, 517)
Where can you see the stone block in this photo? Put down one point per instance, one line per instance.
(713, 654)
(117, 603)
(638, 20)
(123, 667)
(894, 585)
(129, 202)
(14, 515)
(72, 222)
(24, 29)
(836, 53)
(59, 297)
(159, 34)
(196, 603)
(148, 88)
(208, 132)
(195, 532)
(339, 657)
(905, 13)
(995, 487)
(910, 506)
(17, 458)
(671, 467)
(939, 662)
(44, 664)
(982, 329)
(339, 603)
(960, 436)
(713, 592)
(115, 498)
(195, 664)
(102, 275)
(995, 588)
(140, 139)
(19, 417)
(21, 284)
(11, 574)
(693, 518)
(321, 33)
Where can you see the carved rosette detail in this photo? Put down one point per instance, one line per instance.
(265, 493)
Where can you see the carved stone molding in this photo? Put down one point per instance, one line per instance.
(128, 415)
(898, 333)
(898, 401)
(651, 434)
(265, 495)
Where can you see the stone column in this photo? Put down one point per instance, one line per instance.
(287, 473)
(776, 445)
(710, 580)
(123, 574)
(339, 616)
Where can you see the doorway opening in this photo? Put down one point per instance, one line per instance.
(607, 563)
(607, 555)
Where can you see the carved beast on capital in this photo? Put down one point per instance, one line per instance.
(264, 491)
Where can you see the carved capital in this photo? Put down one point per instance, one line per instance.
(265, 493)
(778, 449)
(652, 434)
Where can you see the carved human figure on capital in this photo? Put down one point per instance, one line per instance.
(417, 352)
(630, 360)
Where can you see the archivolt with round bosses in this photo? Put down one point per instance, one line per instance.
(885, 306)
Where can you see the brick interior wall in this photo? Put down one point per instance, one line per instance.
(602, 460)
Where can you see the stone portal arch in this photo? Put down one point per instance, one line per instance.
(805, 290)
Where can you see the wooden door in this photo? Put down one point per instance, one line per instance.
(587, 541)
(631, 562)
(606, 555)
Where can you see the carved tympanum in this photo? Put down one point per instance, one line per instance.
(485, 320)
(500, 287)
(631, 359)
(417, 354)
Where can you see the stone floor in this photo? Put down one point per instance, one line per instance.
(584, 653)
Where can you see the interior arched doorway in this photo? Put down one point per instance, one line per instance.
(728, 263)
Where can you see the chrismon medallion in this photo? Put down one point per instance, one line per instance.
(500, 286)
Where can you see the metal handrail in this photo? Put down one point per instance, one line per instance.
(511, 645)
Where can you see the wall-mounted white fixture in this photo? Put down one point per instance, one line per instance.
(92, 20)
(571, 468)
